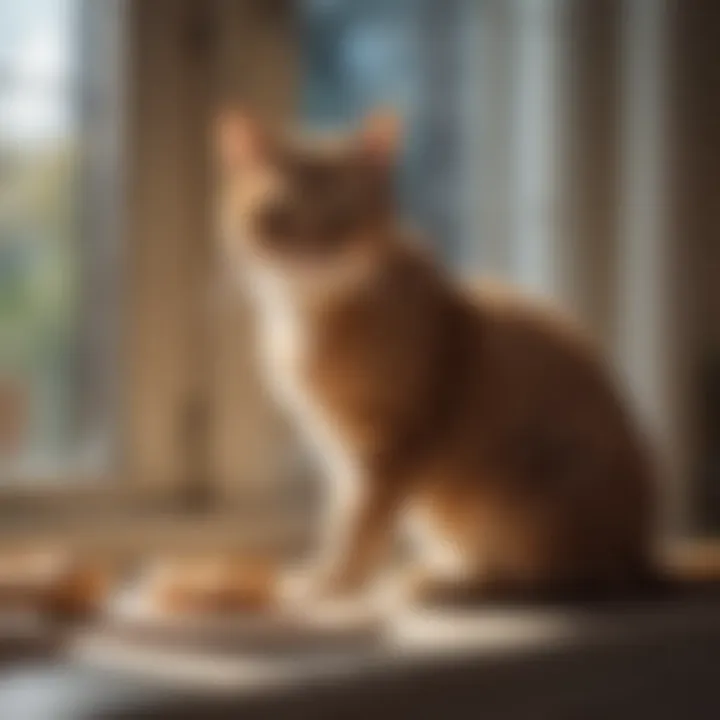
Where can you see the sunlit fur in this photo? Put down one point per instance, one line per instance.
(486, 423)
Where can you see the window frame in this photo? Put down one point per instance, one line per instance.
(151, 62)
(181, 59)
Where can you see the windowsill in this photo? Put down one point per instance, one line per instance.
(128, 525)
(99, 515)
(651, 660)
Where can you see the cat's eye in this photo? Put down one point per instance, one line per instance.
(339, 219)
(314, 178)
(276, 221)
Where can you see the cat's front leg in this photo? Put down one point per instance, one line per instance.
(363, 544)
(355, 544)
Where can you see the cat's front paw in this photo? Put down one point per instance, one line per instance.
(295, 588)
(302, 587)
(339, 587)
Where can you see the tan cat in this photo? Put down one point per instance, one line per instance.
(480, 422)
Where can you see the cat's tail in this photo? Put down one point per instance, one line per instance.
(651, 585)
(684, 579)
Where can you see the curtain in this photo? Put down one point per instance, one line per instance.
(570, 194)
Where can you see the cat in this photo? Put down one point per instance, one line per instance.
(478, 422)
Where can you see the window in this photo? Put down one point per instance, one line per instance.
(59, 202)
(510, 168)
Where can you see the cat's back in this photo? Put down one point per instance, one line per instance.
(515, 315)
(542, 372)
(532, 337)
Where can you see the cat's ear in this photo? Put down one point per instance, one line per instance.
(241, 141)
(380, 136)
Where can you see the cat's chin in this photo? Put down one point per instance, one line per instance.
(313, 278)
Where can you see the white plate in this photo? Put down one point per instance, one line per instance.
(132, 618)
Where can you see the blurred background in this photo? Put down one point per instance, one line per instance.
(571, 146)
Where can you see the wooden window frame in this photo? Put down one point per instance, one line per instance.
(181, 59)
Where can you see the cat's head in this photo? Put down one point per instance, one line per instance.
(305, 208)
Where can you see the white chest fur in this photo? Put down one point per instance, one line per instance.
(285, 344)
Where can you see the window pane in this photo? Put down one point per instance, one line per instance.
(47, 151)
